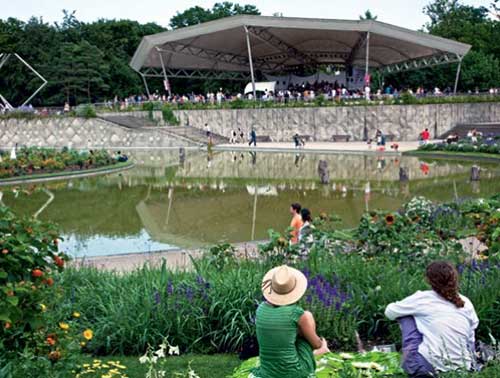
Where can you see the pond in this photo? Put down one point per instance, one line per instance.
(167, 202)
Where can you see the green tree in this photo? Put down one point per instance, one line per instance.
(368, 15)
(196, 15)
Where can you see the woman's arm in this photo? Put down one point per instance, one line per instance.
(307, 329)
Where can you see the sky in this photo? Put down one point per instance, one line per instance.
(405, 13)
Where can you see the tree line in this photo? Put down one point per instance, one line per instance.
(89, 62)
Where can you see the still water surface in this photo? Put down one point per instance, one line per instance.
(165, 202)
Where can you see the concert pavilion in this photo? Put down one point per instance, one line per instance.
(246, 47)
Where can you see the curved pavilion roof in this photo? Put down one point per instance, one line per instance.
(279, 44)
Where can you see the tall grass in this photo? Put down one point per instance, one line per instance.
(212, 309)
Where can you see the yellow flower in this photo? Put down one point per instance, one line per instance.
(76, 314)
(83, 343)
(88, 334)
(64, 326)
(43, 307)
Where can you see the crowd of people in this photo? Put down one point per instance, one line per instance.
(306, 92)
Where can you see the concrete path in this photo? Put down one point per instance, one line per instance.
(176, 259)
(322, 147)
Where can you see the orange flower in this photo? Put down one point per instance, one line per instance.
(5, 251)
(51, 341)
(7, 325)
(389, 219)
(36, 273)
(88, 334)
(50, 281)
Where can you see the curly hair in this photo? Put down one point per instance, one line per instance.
(443, 278)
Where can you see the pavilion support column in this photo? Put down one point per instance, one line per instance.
(247, 35)
(367, 57)
(457, 77)
(165, 77)
(144, 80)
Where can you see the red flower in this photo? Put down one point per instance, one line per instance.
(36, 273)
(50, 281)
(59, 262)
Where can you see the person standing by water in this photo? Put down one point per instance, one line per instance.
(296, 222)
(306, 237)
(253, 138)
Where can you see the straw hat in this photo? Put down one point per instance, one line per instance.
(283, 285)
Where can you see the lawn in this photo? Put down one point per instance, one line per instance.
(206, 366)
(223, 365)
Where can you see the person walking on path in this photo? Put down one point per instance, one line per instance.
(253, 138)
(425, 136)
(296, 222)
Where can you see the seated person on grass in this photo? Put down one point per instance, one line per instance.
(437, 325)
(285, 332)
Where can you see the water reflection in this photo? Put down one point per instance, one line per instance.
(187, 199)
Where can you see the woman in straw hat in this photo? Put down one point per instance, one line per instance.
(285, 332)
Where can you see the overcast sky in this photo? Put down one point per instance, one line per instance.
(406, 13)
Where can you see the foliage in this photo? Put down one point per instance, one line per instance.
(464, 23)
(75, 56)
(169, 116)
(343, 365)
(33, 331)
(491, 146)
(33, 160)
(86, 111)
(197, 15)
(222, 255)
(29, 260)
(212, 307)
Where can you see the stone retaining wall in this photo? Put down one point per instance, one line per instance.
(81, 133)
(404, 121)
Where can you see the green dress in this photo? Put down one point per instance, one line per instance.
(282, 352)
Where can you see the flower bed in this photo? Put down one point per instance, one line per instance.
(352, 276)
(212, 308)
(35, 161)
(491, 146)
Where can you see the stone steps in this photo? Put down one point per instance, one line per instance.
(188, 133)
(461, 129)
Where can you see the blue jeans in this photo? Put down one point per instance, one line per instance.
(414, 364)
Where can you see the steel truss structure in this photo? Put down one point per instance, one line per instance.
(274, 46)
(417, 64)
(4, 57)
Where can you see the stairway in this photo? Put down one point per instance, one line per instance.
(461, 129)
(128, 121)
(188, 133)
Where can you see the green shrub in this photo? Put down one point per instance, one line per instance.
(169, 116)
(86, 111)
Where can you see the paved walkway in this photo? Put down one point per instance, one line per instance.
(321, 147)
(177, 259)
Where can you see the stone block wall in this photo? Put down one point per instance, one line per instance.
(81, 133)
(404, 121)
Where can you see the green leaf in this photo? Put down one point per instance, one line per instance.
(14, 301)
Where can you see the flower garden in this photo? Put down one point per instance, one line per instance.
(84, 322)
(487, 146)
(32, 161)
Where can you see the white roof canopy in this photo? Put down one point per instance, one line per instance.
(280, 44)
